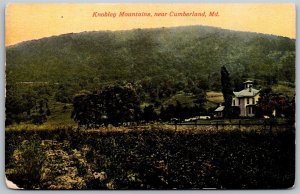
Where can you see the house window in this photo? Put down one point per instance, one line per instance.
(233, 102)
(247, 100)
(253, 101)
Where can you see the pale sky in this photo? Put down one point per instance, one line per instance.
(35, 21)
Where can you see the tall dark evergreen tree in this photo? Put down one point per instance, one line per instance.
(227, 91)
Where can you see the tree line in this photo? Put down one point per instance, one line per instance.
(119, 105)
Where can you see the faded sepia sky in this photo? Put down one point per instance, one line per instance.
(34, 21)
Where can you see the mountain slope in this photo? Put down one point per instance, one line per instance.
(162, 54)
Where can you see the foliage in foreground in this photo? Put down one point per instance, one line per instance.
(157, 160)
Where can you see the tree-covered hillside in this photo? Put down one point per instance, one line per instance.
(181, 54)
(166, 68)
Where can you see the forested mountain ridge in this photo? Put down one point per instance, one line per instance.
(169, 70)
(179, 55)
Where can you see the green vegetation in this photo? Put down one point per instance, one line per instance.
(227, 92)
(288, 90)
(27, 159)
(180, 55)
(114, 105)
(183, 98)
(153, 159)
(104, 80)
(163, 65)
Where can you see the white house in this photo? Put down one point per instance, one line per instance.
(246, 99)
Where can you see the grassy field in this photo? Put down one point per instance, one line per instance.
(150, 159)
(61, 118)
(284, 89)
(184, 98)
(213, 99)
(213, 96)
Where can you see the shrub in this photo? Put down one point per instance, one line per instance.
(28, 160)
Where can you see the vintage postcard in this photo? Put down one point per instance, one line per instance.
(150, 96)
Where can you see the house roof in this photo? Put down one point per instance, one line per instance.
(246, 93)
(248, 81)
(220, 108)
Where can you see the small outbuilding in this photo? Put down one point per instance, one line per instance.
(219, 112)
